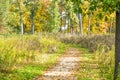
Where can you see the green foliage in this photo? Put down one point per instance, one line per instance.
(54, 16)
(46, 14)
(4, 15)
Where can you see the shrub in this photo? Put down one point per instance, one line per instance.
(90, 42)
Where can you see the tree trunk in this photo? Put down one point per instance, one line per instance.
(68, 17)
(32, 22)
(77, 28)
(21, 19)
(117, 44)
(71, 27)
(21, 24)
(80, 23)
(111, 25)
(66, 23)
(89, 22)
(61, 19)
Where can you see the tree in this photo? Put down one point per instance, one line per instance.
(54, 16)
(21, 16)
(4, 13)
(110, 6)
(32, 5)
(42, 17)
(117, 41)
(78, 11)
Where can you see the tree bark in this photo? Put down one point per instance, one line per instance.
(32, 22)
(66, 23)
(21, 24)
(80, 23)
(68, 17)
(117, 44)
(21, 19)
(89, 22)
(71, 27)
(111, 25)
(61, 19)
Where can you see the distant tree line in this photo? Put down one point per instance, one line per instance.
(67, 16)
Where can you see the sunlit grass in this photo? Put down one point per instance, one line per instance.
(97, 56)
(88, 66)
(29, 71)
(26, 57)
(118, 77)
(92, 68)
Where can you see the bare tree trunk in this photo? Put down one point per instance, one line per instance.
(111, 25)
(89, 22)
(76, 28)
(21, 24)
(32, 22)
(117, 43)
(61, 19)
(68, 17)
(71, 26)
(32, 17)
(21, 19)
(80, 23)
(66, 23)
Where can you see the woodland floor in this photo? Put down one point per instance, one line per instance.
(66, 69)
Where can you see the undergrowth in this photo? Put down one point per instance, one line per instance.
(90, 42)
(25, 57)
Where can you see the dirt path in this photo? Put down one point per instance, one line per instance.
(66, 68)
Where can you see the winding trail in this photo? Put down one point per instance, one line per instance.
(66, 69)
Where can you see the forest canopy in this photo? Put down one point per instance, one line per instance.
(70, 16)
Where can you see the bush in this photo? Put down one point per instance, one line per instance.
(92, 42)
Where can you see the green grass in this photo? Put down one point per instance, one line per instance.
(46, 50)
(118, 77)
(88, 66)
(87, 63)
(31, 70)
(95, 66)
(28, 56)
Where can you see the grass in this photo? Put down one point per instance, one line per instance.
(95, 66)
(28, 56)
(89, 67)
(38, 53)
(31, 70)
(118, 77)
